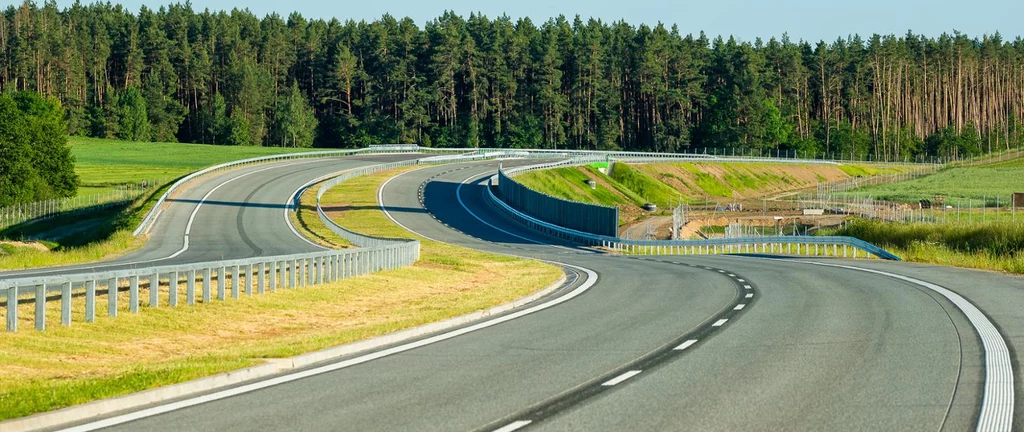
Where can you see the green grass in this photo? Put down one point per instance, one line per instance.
(708, 183)
(999, 179)
(103, 164)
(993, 246)
(570, 183)
(648, 188)
(71, 365)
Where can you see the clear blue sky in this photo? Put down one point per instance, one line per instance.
(746, 19)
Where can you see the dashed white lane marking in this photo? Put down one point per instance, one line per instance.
(739, 307)
(708, 268)
(750, 295)
(621, 378)
(741, 280)
(746, 286)
(514, 426)
(685, 345)
(721, 271)
(731, 275)
(720, 322)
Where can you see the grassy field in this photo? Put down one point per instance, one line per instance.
(104, 164)
(631, 186)
(992, 246)
(159, 346)
(956, 184)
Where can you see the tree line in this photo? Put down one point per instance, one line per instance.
(176, 74)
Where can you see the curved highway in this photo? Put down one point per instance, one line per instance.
(678, 343)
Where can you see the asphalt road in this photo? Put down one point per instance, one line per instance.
(811, 348)
(242, 215)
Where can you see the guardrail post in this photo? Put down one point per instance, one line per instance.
(154, 290)
(307, 269)
(248, 279)
(835, 249)
(235, 276)
(41, 307)
(844, 251)
(293, 276)
(273, 276)
(190, 287)
(207, 281)
(854, 253)
(133, 294)
(65, 304)
(222, 284)
(12, 308)
(90, 301)
(112, 297)
(172, 289)
(319, 261)
(261, 277)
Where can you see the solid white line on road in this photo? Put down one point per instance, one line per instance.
(998, 398)
(746, 286)
(739, 307)
(685, 345)
(750, 295)
(720, 322)
(514, 426)
(259, 385)
(621, 378)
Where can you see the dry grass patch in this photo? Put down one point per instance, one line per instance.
(159, 346)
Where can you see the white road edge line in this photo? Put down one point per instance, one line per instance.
(113, 421)
(685, 345)
(516, 425)
(621, 378)
(720, 322)
(190, 402)
(996, 412)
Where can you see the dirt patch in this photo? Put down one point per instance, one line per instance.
(31, 245)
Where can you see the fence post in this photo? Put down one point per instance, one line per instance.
(112, 297)
(90, 301)
(41, 307)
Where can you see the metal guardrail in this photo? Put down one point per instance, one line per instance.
(263, 273)
(266, 273)
(774, 244)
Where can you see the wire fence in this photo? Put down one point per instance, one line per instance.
(47, 209)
